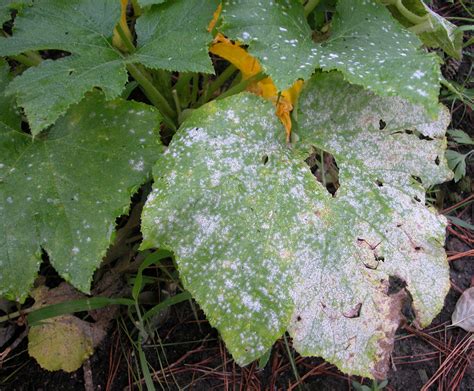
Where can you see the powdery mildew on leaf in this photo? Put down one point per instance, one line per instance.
(62, 191)
(264, 247)
(379, 224)
(277, 34)
(365, 43)
(215, 203)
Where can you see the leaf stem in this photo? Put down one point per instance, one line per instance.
(125, 39)
(310, 6)
(176, 102)
(153, 94)
(241, 86)
(413, 18)
(421, 27)
(217, 83)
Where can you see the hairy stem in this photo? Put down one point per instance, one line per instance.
(152, 93)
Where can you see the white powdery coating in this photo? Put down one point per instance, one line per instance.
(263, 246)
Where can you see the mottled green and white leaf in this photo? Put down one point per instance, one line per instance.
(374, 51)
(62, 191)
(277, 34)
(264, 247)
(365, 43)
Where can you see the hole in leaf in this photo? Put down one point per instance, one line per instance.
(417, 248)
(382, 124)
(437, 160)
(52, 54)
(379, 183)
(324, 167)
(395, 285)
(298, 318)
(353, 312)
(25, 127)
(265, 159)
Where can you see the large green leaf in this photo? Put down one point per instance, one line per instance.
(264, 247)
(173, 36)
(62, 191)
(365, 43)
(82, 27)
(85, 28)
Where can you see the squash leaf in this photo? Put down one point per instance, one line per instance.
(265, 248)
(84, 28)
(366, 44)
(173, 36)
(62, 191)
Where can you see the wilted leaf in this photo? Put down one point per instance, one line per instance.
(62, 191)
(63, 342)
(463, 315)
(365, 43)
(264, 247)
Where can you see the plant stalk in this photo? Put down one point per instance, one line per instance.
(241, 86)
(217, 83)
(151, 92)
(310, 6)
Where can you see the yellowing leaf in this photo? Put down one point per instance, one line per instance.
(60, 343)
(249, 67)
